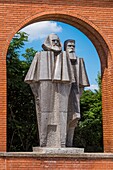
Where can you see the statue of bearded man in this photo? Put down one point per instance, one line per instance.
(79, 81)
(49, 77)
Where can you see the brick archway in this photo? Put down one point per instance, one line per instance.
(96, 34)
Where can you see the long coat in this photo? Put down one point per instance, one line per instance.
(52, 79)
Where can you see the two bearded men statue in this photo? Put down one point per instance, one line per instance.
(57, 79)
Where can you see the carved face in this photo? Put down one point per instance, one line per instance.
(54, 40)
(70, 47)
(52, 43)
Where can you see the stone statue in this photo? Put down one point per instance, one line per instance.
(80, 81)
(52, 79)
(46, 76)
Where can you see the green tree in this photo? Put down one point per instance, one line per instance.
(89, 132)
(22, 126)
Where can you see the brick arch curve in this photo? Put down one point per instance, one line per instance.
(93, 32)
(97, 37)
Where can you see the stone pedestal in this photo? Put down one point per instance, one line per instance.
(70, 151)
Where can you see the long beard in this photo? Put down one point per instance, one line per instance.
(56, 48)
(70, 51)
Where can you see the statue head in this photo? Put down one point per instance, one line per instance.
(69, 46)
(52, 43)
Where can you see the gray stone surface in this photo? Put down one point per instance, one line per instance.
(69, 151)
(57, 79)
(77, 156)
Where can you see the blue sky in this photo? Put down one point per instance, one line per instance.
(84, 47)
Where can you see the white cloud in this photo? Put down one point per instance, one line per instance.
(92, 87)
(40, 30)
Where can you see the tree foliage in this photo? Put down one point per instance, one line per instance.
(89, 132)
(22, 126)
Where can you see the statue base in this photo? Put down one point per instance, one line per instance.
(70, 151)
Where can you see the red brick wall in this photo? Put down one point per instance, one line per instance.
(92, 17)
(33, 162)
